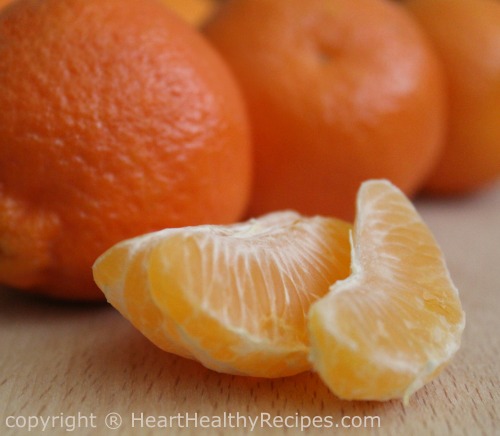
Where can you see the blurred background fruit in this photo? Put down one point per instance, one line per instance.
(193, 11)
(338, 92)
(117, 119)
(466, 35)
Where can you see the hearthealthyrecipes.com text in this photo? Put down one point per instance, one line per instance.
(115, 421)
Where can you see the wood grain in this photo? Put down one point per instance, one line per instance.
(63, 359)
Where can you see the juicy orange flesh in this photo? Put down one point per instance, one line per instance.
(269, 276)
(389, 327)
(257, 285)
(233, 297)
(353, 370)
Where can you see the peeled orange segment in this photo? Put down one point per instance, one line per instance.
(233, 297)
(397, 320)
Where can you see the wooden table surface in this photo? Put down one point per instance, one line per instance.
(64, 364)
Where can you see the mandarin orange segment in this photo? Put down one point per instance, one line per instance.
(233, 297)
(124, 276)
(397, 320)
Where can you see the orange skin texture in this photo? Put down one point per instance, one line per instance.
(338, 92)
(466, 35)
(117, 119)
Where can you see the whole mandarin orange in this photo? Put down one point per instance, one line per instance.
(117, 119)
(338, 91)
(466, 35)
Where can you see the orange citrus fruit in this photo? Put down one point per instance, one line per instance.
(117, 119)
(397, 320)
(466, 35)
(233, 297)
(338, 91)
(193, 11)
